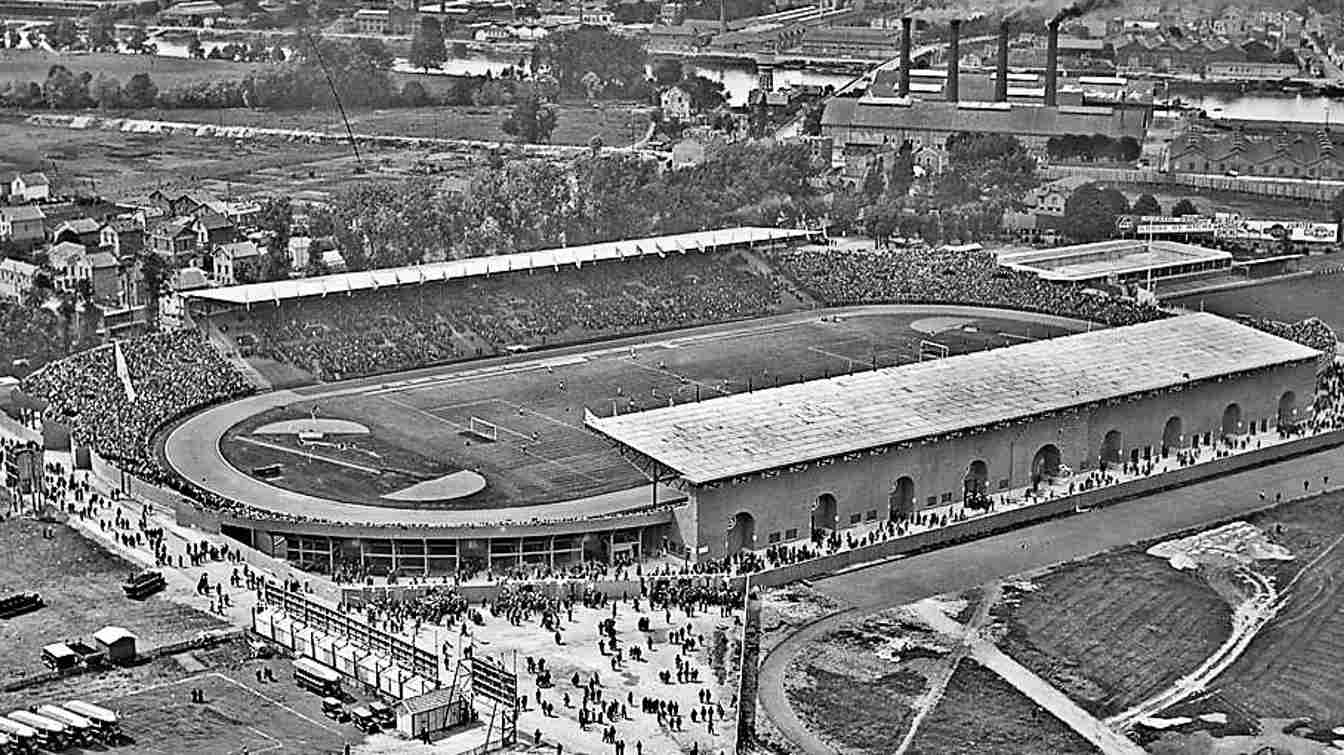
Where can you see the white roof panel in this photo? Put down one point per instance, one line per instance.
(475, 266)
(752, 432)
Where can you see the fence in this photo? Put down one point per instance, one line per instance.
(331, 621)
(1319, 191)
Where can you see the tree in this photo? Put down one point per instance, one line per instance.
(107, 92)
(102, 32)
(376, 51)
(1090, 212)
(195, 49)
(874, 182)
(63, 90)
(1184, 207)
(138, 40)
(530, 121)
(427, 47)
(154, 274)
(616, 60)
(413, 94)
(63, 35)
(667, 71)
(140, 92)
(1147, 204)
(812, 120)
(706, 94)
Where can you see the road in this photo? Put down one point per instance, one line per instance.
(962, 566)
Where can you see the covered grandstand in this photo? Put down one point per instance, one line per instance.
(884, 444)
(1119, 261)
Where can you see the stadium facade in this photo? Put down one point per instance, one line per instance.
(774, 465)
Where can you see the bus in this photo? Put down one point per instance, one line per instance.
(315, 677)
(82, 730)
(51, 735)
(22, 738)
(108, 723)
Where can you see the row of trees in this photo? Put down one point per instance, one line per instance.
(1091, 211)
(1097, 147)
(520, 205)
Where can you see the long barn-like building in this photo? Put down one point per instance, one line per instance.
(771, 466)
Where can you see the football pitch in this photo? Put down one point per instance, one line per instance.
(420, 427)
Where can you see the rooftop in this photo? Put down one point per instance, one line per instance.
(747, 433)
(1087, 262)
(700, 241)
(22, 212)
(1018, 119)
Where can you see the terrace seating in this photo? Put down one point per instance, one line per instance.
(143, 585)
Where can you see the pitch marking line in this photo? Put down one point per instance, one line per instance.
(239, 685)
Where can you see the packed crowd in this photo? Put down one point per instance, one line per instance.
(945, 276)
(421, 325)
(170, 375)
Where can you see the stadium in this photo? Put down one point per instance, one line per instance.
(697, 395)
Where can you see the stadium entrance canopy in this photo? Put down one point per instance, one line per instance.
(344, 283)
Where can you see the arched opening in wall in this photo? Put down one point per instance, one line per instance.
(823, 514)
(1045, 464)
(1112, 447)
(742, 533)
(1171, 436)
(901, 500)
(975, 485)
(1232, 420)
(1287, 410)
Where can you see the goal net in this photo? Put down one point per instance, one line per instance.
(483, 429)
(931, 350)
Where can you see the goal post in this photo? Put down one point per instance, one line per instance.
(932, 350)
(483, 429)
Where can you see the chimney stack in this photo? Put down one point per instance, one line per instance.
(1001, 80)
(954, 61)
(1052, 64)
(907, 26)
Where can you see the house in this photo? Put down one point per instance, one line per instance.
(62, 260)
(17, 278)
(22, 225)
(117, 644)
(298, 249)
(235, 262)
(1050, 198)
(29, 187)
(204, 13)
(84, 231)
(123, 236)
(675, 103)
(174, 238)
(932, 159)
(213, 230)
(101, 271)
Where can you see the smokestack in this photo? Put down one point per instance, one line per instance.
(954, 60)
(907, 26)
(723, 16)
(1001, 80)
(1052, 63)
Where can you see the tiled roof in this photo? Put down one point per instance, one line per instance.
(746, 433)
(22, 212)
(1024, 120)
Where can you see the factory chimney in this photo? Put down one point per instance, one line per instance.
(907, 27)
(954, 60)
(1001, 78)
(1052, 63)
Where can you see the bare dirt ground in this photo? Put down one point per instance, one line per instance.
(81, 585)
(1113, 629)
(980, 713)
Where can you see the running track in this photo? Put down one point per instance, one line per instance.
(962, 566)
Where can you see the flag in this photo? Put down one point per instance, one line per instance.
(123, 371)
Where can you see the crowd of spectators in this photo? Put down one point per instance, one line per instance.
(388, 331)
(946, 276)
(169, 374)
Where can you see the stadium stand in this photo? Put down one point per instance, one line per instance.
(173, 373)
(945, 276)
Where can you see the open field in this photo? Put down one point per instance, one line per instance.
(1317, 296)
(981, 713)
(1293, 667)
(544, 454)
(1113, 629)
(576, 122)
(120, 165)
(1248, 205)
(859, 686)
(32, 65)
(82, 587)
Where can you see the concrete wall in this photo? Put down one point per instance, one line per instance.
(1314, 189)
(863, 487)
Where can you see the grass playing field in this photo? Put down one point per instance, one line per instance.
(1289, 300)
(81, 585)
(543, 453)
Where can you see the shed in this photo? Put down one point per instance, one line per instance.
(435, 711)
(118, 643)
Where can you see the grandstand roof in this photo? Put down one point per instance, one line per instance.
(770, 429)
(699, 241)
(1098, 261)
